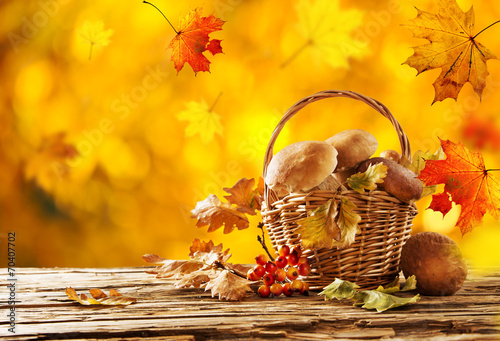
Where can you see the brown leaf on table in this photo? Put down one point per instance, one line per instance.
(228, 286)
(453, 47)
(466, 181)
(215, 214)
(245, 196)
(100, 298)
(201, 246)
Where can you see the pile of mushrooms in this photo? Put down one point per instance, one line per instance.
(325, 165)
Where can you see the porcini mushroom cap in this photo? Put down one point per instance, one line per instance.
(353, 146)
(399, 181)
(301, 166)
(436, 262)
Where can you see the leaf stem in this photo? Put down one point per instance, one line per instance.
(493, 170)
(215, 102)
(296, 53)
(90, 52)
(484, 29)
(176, 32)
(262, 241)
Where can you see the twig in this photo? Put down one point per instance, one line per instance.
(219, 265)
(262, 241)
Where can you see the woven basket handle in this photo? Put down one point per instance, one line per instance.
(381, 108)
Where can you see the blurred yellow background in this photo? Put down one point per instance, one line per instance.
(100, 163)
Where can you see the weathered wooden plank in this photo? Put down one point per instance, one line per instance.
(162, 310)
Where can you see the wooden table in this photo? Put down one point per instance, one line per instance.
(162, 312)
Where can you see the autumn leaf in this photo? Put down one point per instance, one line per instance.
(328, 32)
(94, 34)
(319, 229)
(245, 196)
(228, 286)
(348, 222)
(207, 267)
(467, 183)
(202, 121)
(418, 163)
(215, 214)
(483, 132)
(368, 179)
(453, 47)
(332, 224)
(99, 297)
(369, 299)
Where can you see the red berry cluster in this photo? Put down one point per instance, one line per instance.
(281, 276)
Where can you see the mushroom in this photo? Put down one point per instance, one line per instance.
(390, 154)
(353, 146)
(300, 167)
(436, 262)
(329, 184)
(399, 181)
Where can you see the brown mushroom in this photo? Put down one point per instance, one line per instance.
(399, 181)
(353, 146)
(301, 166)
(329, 184)
(391, 155)
(436, 262)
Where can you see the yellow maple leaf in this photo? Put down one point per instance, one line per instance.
(328, 32)
(202, 121)
(94, 34)
(453, 47)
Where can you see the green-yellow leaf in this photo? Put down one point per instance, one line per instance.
(348, 222)
(373, 299)
(418, 163)
(368, 179)
(369, 299)
(410, 284)
(319, 229)
(339, 289)
(202, 121)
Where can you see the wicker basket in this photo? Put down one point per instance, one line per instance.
(373, 258)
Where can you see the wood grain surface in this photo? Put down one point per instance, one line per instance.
(163, 312)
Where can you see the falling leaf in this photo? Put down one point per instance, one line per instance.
(467, 182)
(202, 121)
(319, 229)
(192, 39)
(99, 297)
(369, 299)
(453, 47)
(441, 202)
(328, 31)
(94, 34)
(368, 179)
(244, 196)
(228, 286)
(482, 132)
(215, 214)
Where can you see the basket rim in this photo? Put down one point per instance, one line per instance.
(297, 106)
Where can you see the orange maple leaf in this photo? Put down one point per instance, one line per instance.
(453, 48)
(192, 40)
(467, 183)
(245, 196)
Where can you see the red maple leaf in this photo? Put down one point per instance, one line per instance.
(192, 40)
(467, 183)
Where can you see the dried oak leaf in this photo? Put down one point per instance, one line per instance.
(228, 286)
(467, 183)
(192, 40)
(245, 196)
(100, 298)
(215, 214)
(453, 47)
